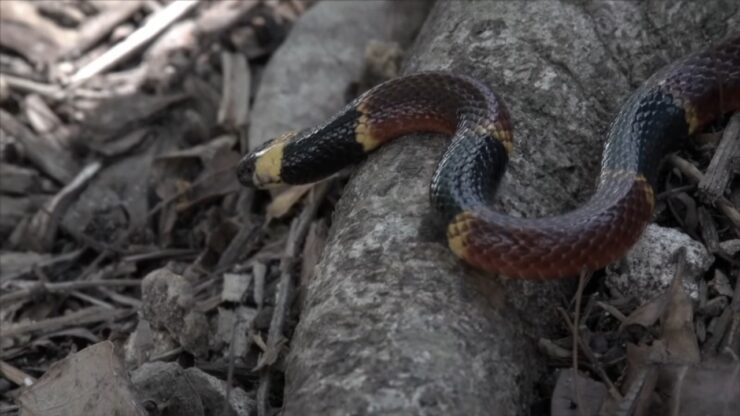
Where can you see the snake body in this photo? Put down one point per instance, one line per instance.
(654, 120)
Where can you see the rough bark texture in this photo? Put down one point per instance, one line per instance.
(393, 323)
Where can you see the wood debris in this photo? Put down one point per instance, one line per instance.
(120, 127)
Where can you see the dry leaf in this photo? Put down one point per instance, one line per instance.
(286, 200)
(94, 377)
(571, 400)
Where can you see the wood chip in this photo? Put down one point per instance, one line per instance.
(235, 287)
(41, 117)
(154, 26)
(81, 317)
(29, 33)
(233, 329)
(725, 163)
(44, 225)
(19, 180)
(15, 374)
(696, 176)
(94, 29)
(233, 112)
(57, 163)
(708, 230)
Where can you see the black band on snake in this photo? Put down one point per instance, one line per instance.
(655, 119)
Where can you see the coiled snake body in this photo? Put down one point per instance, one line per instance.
(654, 120)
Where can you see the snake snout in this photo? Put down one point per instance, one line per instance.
(245, 169)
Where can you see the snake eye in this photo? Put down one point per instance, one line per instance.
(245, 169)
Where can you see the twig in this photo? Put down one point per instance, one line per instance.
(81, 317)
(612, 311)
(670, 192)
(696, 176)
(174, 197)
(29, 85)
(259, 271)
(39, 288)
(45, 223)
(720, 169)
(61, 258)
(160, 254)
(153, 27)
(166, 355)
(730, 343)
(613, 391)
(107, 250)
(91, 300)
(297, 234)
(97, 27)
(57, 163)
(16, 375)
(101, 257)
(233, 111)
(242, 243)
(83, 239)
(120, 298)
(230, 360)
(576, 338)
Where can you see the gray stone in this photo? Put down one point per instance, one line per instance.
(650, 266)
(184, 392)
(731, 247)
(167, 303)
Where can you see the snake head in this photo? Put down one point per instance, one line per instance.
(245, 169)
(262, 167)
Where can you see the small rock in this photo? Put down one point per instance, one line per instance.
(589, 398)
(232, 329)
(235, 286)
(731, 247)
(212, 392)
(650, 265)
(714, 307)
(163, 386)
(187, 392)
(168, 305)
(92, 381)
(720, 285)
(139, 344)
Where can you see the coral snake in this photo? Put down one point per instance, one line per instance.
(674, 103)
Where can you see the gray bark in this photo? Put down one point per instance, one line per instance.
(393, 323)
